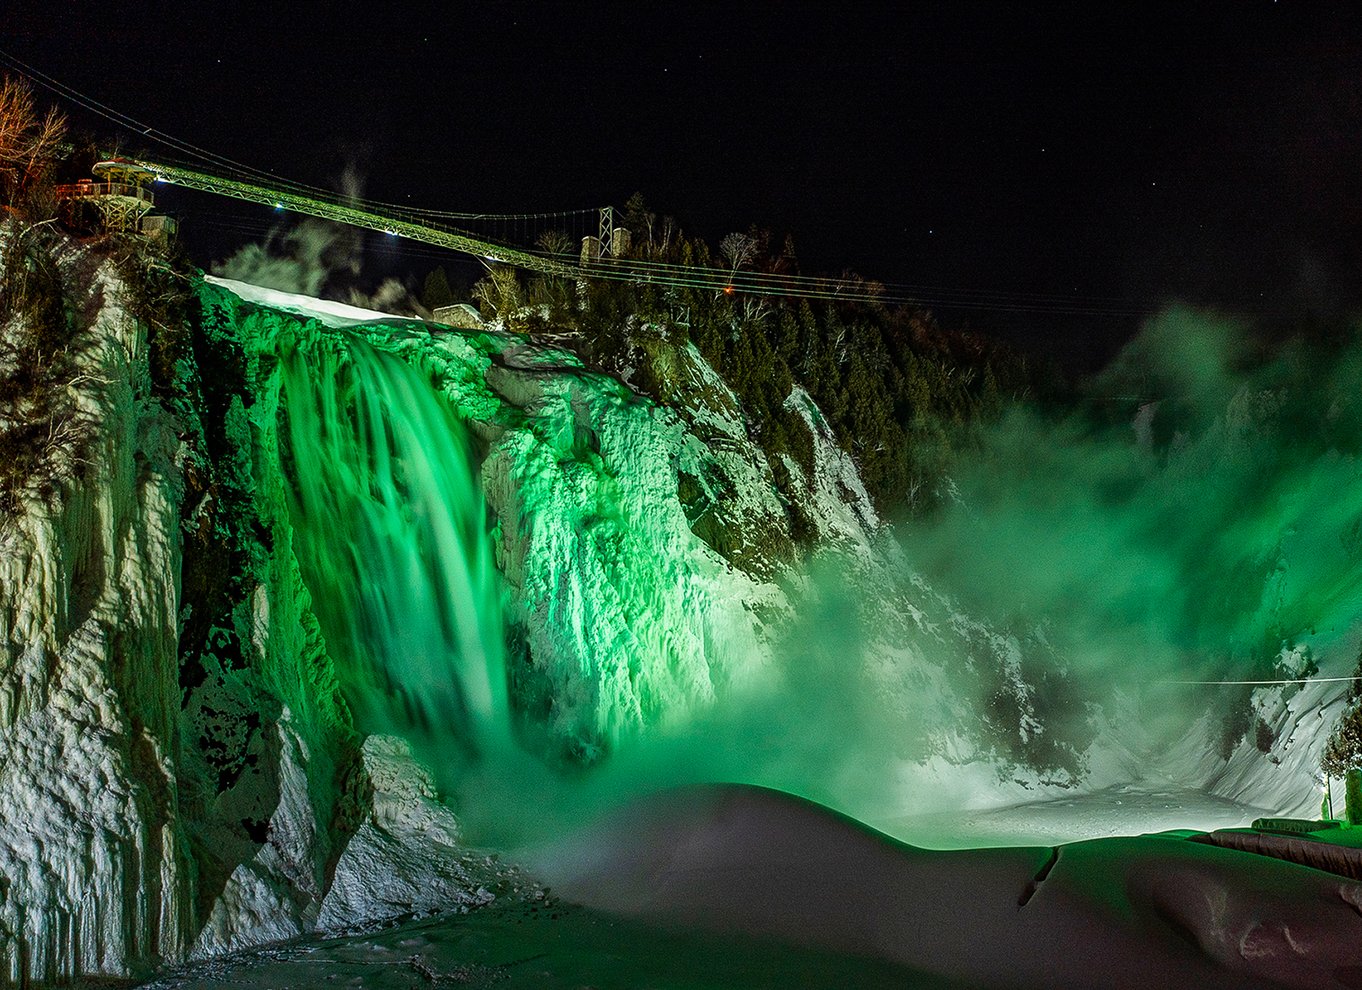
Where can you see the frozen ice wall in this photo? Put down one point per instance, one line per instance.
(196, 636)
(93, 859)
(325, 571)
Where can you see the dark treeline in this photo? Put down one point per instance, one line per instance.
(901, 394)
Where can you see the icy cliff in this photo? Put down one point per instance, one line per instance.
(192, 754)
(180, 774)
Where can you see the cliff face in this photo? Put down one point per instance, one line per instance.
(179, 774)
(92, 850)
(197, 753)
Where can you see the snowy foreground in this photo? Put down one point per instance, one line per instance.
(726, 887)
(1120, 810)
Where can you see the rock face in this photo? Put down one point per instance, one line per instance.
(182, 772)
(179, 774)
(94, 864)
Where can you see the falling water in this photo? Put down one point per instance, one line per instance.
(390, 532)
(1228, 550)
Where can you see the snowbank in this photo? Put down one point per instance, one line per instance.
(327, 311)
(1129, 912)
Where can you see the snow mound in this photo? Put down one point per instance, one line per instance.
(1130, 912)
(327, 311)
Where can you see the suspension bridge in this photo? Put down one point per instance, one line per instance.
(124, 196)
(605, 255)
(223, 176)
(387, 219)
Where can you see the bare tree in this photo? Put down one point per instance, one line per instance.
(28, 142)
(555, 242)
(755, 308)
(739, 249)
(499, 291)
(552, 289)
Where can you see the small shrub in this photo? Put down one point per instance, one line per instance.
(1264, 736)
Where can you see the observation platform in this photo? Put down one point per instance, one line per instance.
(123, 198)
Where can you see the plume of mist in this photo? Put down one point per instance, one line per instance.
(392, 296)
(864, 685)
(1216, 533)
(304, 257)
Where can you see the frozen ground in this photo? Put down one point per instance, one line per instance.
(731, 887)
(546, 946)
(1124, 809)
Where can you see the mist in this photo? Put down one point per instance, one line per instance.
(1194, 521)
(303, 258)
(1199, 520)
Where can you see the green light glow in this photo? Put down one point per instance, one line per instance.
(1233, 532)
(1080, 560)
(389, 528)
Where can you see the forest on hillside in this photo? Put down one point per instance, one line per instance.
(902, 395)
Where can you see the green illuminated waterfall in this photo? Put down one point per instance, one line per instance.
(644, 658)
(390, 533)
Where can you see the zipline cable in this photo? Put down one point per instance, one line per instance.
(1287, 680)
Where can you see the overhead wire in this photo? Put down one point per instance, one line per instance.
(1287, 680)
(240, 169)
(751, 276)
(133, 125)
(867, 296)
(776, 284)
(745, 282)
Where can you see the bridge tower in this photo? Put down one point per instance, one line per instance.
(609, 241)
(607, 231)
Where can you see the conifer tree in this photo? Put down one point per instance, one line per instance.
(435, 291)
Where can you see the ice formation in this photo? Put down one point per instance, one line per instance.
(199, 745)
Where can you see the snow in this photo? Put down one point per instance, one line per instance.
(1131, 808)
(327, 311)
(407, 857)
(843, 512)
(1129, 912)
(719, 887)
(90, 877)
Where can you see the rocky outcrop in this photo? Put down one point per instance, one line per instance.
(94, 864)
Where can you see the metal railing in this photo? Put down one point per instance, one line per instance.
(93, 190)
(392, 222)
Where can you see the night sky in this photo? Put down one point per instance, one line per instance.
(1113, 157)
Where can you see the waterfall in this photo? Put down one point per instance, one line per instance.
(390, 532)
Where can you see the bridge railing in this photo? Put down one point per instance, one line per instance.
(91, 190)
